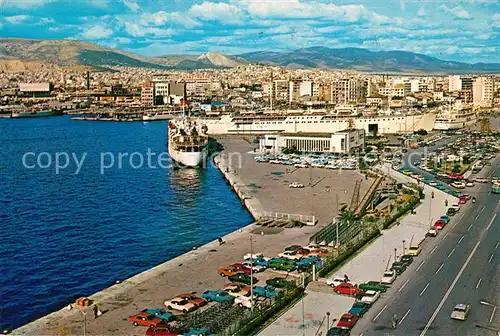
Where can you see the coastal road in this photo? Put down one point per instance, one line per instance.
(461, 265)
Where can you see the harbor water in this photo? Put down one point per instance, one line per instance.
(73, 231)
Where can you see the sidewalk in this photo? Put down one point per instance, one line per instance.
(305, 317)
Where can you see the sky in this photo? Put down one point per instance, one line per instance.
(458, 30)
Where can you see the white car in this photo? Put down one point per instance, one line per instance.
(460, 312)
(246, 301)
(388, 277)
(456, 207)
(469, 184)
(296, 185)
(254, 256)
(433, 183)
(292, 255)
(432, 233)
(458, 185)
(180, 304)
(370, 296)
(481, 180)
(256, 268)
(335, 280)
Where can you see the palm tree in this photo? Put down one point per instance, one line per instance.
(346, 216)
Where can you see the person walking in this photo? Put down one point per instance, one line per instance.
(394, 321)
(96, 310)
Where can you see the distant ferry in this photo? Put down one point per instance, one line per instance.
(35, 114)
(382, 123)
(164, 115)
(453, 120)
(187, 141)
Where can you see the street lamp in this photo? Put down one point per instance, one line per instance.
(251, 273)
(335, 221)
(327, 321)
(489, 304)
(395, 251)
(404, 246)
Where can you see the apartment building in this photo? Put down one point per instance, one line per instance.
(148, 94)
(482, 91)
(347, 90)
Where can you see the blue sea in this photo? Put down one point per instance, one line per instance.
(65, 235)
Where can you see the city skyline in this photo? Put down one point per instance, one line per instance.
(465, 31)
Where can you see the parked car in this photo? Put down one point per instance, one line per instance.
(265, 291)
(460, 312)
(255, 267)
(217, 296)
(432, 232)
(243, 278)
(469, 184)
(398, 267)
(347, 288)
(198, 332)
(320, 252)
(279, 264)
(347, 321)
(292, 255)
(163, 330)
(180, 304)
(439, 224)
(292, 247)
(231, 270)
(414, 250)
(407, 259)
(145, 319)
(278, 282)
(336, 331)
(481, 180)
(245, 301)
(261, 261)
(160, 313)
(335, 280)
(462, 200)
(388, 277)
(309, 261)
(445, 218)
(236, 289)
(374, 286)
(191, 297)
(254, 256)
(359, 308)
(370, 296)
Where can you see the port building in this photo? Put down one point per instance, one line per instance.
(342, 142)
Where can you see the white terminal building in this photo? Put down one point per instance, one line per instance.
(342, 142)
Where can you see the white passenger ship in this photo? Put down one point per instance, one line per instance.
(456, 119)
(187, 141)
(381, 123)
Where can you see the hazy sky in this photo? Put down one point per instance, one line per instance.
(467, 30)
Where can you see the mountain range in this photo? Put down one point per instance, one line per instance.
(77, 53)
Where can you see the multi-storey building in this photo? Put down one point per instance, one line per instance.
(397, 91)
(482, 91)
(347, 90)
(148, 94)
(454, 83)
(281, 90)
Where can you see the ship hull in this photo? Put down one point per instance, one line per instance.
(40, 114)
(453, 125)
(187, 159)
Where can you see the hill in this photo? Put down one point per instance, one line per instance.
(33, 53)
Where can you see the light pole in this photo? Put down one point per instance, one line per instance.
(251, 273)
(491, 305)
(84, 320)
(335, 221)
(404, 241)
(395, 251)
(327, 321)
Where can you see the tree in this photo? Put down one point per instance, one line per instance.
(347, 216)
(421, 132)
(456, 169)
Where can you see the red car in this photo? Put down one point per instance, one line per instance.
(164, 330)
(347, 288)
(462, 200)
(145, 319)
(440, 224)
(192, 298)
(242, 268)
(347, 321)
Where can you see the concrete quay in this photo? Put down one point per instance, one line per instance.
(306, 317)
(196, 270)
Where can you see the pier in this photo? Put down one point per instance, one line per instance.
(119, 114)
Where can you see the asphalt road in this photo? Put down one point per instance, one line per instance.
(460, 265)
